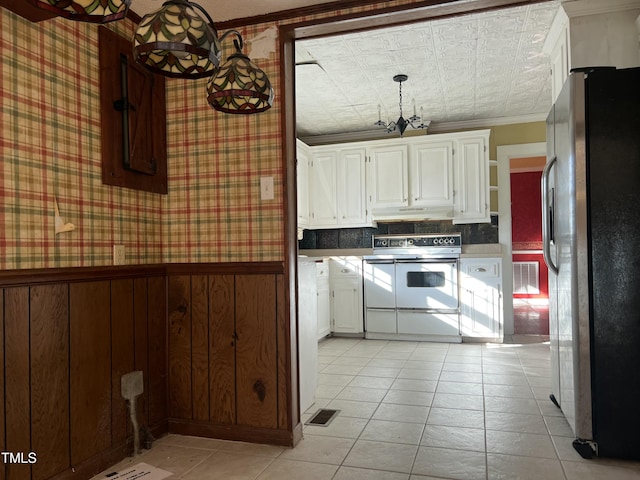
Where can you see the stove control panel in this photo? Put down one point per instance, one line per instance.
(417, 241)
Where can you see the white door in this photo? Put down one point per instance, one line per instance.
(302, 162)
(351, 194)
(472, 182)
(324, 210)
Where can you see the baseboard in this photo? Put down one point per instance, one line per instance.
(238, 433)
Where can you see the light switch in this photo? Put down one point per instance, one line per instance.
(266, 188)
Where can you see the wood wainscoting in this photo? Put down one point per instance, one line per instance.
(229, 355)
(69, 335)
(213, 341)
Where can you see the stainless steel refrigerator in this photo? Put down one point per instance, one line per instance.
(591, 238)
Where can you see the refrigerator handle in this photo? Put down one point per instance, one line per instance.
(547, 216)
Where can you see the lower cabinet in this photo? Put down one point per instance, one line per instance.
(324, 302)
(481, 298)
(346, 295)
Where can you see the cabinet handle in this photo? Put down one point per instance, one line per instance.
(480, 269)
(344, 270)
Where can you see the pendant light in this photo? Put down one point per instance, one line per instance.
(239, 86)
(176, 41)
(401, 124)
(94, 11)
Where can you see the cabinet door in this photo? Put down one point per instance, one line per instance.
(431, 174)
(351, 194)
(472, 181)
(346, 306)
(302, 163)
(481, 297)
(388, 176)
(324, 210)
(324, 305)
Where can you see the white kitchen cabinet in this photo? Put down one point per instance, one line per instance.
(338, 183)
(323, 294)
(303, 158)
(431, 174)
(324, 181)
(481, 298)
(388, 176)
(307, 331)
(346, 295)
(471, 160)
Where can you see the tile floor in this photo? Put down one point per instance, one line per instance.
(411, 411)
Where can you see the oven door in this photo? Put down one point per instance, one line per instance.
(427, 284)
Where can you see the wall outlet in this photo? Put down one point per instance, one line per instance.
(266, 188)
(118, 254)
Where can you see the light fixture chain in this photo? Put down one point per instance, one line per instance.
(400, 98)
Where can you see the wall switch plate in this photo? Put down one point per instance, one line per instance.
(266, 188)
(118, 255)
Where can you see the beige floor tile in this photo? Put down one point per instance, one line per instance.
(229, 466)
(342, 369)
(387, 372)
(244, 448)
(329, 379)
(453, 437)
(459, 388)
(318, 404)
(406, 397)
(346, 360)
(464, 402)
(362, 394)
(463, 359)
(419, 374)
(393, 457)
(515, 422)
(525, 444)
(466, 377)
(393, 432)
(599, 469)
(454, 417)
(328, 391)
(509, 467)
(365, 381)
(282, 469)
(527, 406)
(386, 362)
(548, 408)
(498, 379)
(401, 413)
(515, 391)
(351, 473)
(446, 463)
(462, 367)
(424, 365)
(318, 449)
(174, 459)
(558, 426)
(414, 385)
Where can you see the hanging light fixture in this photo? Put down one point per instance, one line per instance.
(95, 11)
(239, 86)
(401, 124)
(177, 42)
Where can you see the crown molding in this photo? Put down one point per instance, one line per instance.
(580, 8)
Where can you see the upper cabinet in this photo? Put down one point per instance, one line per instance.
(337, 187)
(472, 181)
(434, 177)
(388, 176)
(303, 160)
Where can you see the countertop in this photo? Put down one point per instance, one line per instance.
(471, 251)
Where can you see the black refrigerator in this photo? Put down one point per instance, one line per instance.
(591, 242)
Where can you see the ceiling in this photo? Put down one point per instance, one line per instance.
(473, 70)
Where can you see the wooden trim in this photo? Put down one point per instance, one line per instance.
(240, 433)
(41, 276)
(233, 268)
(454, 7)
(27, 10)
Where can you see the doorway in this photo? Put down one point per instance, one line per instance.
(530, 275)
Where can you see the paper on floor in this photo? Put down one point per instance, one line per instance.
(140, 471)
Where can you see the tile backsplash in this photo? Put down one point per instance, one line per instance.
(473, 233)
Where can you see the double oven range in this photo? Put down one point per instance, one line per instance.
(411, 287)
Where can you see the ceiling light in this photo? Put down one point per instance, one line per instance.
(95, 11)
(401, 124)
(239, 86)
(176, 41)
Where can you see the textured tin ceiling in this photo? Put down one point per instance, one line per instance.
(487, 66)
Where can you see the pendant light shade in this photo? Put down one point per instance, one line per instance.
(176, 41)
(94, 11)
(239, 86)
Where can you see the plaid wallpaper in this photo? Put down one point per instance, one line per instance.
(50, 148)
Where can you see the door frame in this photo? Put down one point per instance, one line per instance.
(504, 156)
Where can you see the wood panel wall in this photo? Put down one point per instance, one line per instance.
(229, 356)
(69, 335)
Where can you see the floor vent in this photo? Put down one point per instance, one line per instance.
(322, 418)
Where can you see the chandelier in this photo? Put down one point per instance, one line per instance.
(401, 124)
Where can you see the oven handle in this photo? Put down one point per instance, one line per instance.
(427, 260)
(380, 261)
